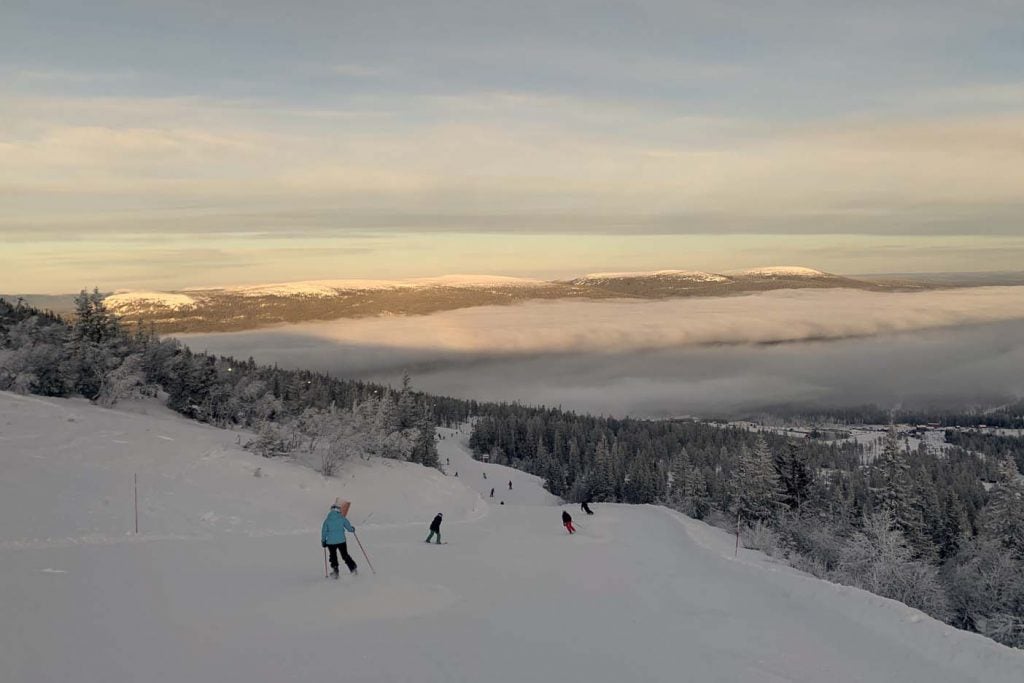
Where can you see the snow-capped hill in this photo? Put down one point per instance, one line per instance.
(246, 307)
(308, 289)
(131, 302)
(328, 288)
(782, 272)
(691, 275)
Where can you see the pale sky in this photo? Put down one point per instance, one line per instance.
(174, 144)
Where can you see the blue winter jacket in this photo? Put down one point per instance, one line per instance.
(333, 530)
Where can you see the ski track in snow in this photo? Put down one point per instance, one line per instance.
(226, 581)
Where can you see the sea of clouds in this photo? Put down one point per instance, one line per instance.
(717, 355)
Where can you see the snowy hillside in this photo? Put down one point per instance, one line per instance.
(225, 582)
(782, 272)
(683, 275)
(68, 468)
(326, 288)
(247, 307)
(127, 303)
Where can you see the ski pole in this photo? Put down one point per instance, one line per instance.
(325, 563)
(364, 553)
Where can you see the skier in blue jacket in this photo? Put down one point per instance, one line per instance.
(332, 537)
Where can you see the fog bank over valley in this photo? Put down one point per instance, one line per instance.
(687, 356)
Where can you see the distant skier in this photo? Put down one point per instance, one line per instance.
(492, 493)
(435, 529)
(567, 522)
(456, 474)
(332, 537)
(586, 508)
(485, 475)
(509, 484)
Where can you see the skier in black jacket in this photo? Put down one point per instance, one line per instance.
(435, 529)
(586, 508)
(567, 522)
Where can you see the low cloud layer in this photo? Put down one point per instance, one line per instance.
(689, 356)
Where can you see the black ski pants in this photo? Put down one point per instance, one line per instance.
(343, 549)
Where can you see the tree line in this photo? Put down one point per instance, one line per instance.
(1008, 416)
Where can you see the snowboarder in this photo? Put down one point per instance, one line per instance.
(492, 493)
(485, 475)
(435, 528)
(509, 484)
(567, 522)
(332, 537)
(586, 508)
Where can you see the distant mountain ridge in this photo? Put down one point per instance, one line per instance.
(248, 307)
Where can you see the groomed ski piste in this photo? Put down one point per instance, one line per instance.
(225, 579)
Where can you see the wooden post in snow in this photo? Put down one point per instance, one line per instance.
(737, 553)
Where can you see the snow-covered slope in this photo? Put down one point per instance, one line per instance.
(639, 594)
(782, 272)
(68, 471)
(248, 307)
(126, 303)
(690, 275)
(328, 288)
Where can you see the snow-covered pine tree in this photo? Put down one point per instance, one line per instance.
(550, 470)
(955, 526)
(1003, 517)
(679, 471)
(895, 492)
(696, 497)
(424, 448)
(879, 559)
(794, 474)
(124, 382)
(754, 487)
(92, 346)
(602, 482)
(641, 484)
(405, 411)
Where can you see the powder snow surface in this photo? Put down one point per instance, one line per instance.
(225, 582)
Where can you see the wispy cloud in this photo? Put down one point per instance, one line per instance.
(506, 156)
(664, 117)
